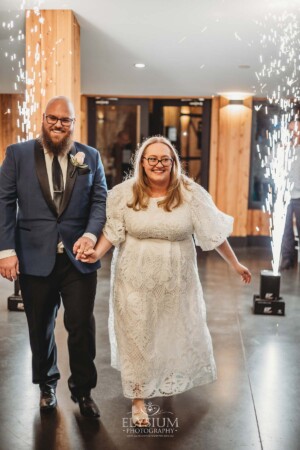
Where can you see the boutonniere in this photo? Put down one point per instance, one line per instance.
(78, 162)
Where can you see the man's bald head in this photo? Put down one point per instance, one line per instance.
(65, 103)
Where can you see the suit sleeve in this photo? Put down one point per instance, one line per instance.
(97, 216)
(8, 201)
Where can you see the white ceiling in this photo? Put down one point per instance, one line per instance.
(190, 47)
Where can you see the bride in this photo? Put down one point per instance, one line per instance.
(158, 333)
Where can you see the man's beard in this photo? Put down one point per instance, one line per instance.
(56, 148)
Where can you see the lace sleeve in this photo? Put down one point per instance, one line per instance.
(211, 226)
(114, 229)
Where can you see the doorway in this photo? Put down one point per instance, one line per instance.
(115, 127)
(186, 123)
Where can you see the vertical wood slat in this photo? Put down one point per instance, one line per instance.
(213, 157)
(83, 119)
(258, 223)
(52, 62)
(10, 133)
(230, 168)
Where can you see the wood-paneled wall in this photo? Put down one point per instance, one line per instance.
(52, 62)
(84, 119)
(258, 223)
(10, 121)
(214, 143)
(230, 148)
(230, 162)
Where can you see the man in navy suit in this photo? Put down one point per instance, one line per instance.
(52, 207)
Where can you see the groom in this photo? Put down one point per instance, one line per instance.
(52, 206)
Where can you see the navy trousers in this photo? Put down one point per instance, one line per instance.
(42, 297)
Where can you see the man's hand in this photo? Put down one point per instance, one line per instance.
(9, 267)
(82, 245)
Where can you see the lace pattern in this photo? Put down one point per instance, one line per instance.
(157, 322)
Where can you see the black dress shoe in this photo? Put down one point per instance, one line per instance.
(87, 406)
(48, 400)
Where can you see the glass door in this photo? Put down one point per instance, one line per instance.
(116, 127)
(186, 123)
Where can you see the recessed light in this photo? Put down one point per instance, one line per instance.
(140, 65)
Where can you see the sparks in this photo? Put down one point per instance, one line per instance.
(279, 77)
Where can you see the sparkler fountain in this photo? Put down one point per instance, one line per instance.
(20, 80)
(283, 68)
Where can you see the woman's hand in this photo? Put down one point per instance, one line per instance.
(244, 272)
(89, 256)
(228, 254)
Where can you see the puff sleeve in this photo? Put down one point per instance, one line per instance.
(114, 229)
(211, 226)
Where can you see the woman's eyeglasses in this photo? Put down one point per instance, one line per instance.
(152, 161)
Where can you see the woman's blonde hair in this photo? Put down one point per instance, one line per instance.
(141, 187)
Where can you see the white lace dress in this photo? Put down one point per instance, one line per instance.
(157, 322)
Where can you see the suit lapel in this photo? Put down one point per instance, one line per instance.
(42, 175)
(70, 181)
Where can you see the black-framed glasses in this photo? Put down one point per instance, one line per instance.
(65, 121)
(152, 161)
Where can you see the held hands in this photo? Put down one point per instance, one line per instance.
(82, 245)
(244, 272)
(89, 256)
(9, 268)
(93, 254)
(84, 250)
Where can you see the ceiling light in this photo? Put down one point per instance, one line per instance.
(244, 66)
(140, 65)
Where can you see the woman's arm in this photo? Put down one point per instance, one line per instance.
(229, 256)
(100, 249)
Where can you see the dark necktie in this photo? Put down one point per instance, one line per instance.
(58, 183)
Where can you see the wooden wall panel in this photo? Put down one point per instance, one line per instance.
(258, 223)
(52, 62)
(84, 119)
(230, 165)
(213, 157)
(10, 121)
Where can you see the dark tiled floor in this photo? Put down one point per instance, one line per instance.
(253, 405)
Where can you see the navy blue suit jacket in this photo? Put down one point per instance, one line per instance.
(29, 222)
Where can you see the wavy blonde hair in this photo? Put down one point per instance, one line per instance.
(141, 186)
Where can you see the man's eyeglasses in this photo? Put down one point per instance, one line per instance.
(152, 161)
(65, 121)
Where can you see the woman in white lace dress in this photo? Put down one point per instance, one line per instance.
(158, 332)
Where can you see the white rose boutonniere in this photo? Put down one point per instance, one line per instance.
(78, 162)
